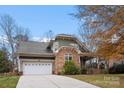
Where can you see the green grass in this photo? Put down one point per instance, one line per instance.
(102, 80)
(8, 81)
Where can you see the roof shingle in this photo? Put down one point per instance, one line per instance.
(32, 47)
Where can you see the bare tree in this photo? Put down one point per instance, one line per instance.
(14, 34)
(85, 34)
(21, 34)
(49, 35)
(7, 25)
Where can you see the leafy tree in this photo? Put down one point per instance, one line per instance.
(5, 64)
(104, 26)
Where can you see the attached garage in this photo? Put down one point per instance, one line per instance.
(36, 65)
(37, 68)
(35, 58)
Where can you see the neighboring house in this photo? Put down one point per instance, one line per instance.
(49, 57)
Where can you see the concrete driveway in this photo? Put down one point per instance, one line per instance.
(51, 81)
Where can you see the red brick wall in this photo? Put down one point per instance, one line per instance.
(59, 60)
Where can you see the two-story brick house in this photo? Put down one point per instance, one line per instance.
(49, 57)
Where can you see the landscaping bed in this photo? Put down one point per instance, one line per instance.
(102, 80)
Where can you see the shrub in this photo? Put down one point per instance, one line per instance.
(117, 69)
(70, 68)
(5, 66)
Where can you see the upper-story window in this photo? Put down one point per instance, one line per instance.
(68, 57)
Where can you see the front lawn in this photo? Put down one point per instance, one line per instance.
(102, 80)
(8, 81)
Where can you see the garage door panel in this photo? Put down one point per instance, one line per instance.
(37, 68)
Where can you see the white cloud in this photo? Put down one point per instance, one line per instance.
(45, 39)
(36, 38)
(39, 39)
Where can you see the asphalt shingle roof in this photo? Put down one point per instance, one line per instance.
(32, 47)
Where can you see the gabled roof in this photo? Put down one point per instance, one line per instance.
(32, 47)
(43, 48)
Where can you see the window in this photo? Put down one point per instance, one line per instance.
(68, 57)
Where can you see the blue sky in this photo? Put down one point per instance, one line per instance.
(40, 19)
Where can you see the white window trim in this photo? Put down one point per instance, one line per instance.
(68, 55)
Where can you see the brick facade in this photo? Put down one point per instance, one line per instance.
(59, 59)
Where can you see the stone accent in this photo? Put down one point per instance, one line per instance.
(59, 60)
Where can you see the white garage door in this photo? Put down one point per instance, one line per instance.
(37, 68)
